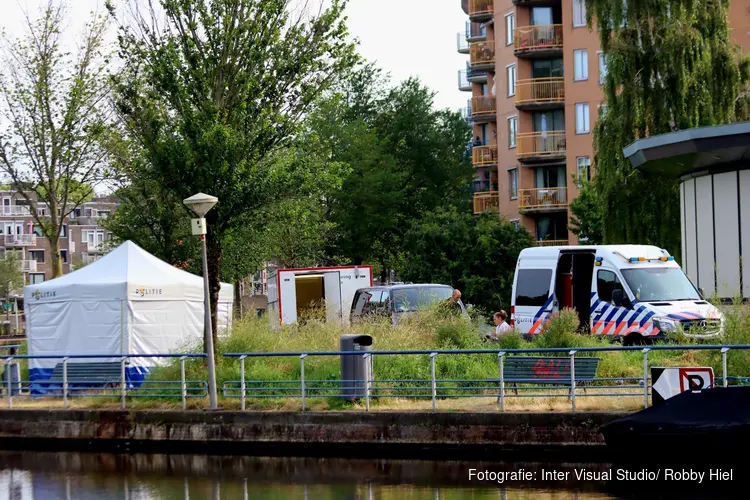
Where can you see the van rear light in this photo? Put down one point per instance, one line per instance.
(512, 314)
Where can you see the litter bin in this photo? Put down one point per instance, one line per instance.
(355, 370)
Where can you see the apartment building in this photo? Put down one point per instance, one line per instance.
(534, 72)
(82, 239)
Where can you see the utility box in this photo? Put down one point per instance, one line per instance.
(15, 379)
(355, 369)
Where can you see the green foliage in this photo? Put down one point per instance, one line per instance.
(405, 159)
(213, 91)
(54, 117)
(586, 216)
(671, 66)
(475, 254)
(11, 276)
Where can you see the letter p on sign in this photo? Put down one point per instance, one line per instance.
(695, 379)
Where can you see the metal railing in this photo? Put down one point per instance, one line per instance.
(538, 37)
(484, 155)
(482, 53)
(18, 240)
(81, 386)
(436, 388)
(541, 198)
(551, 243)
(540, 90)
(27, 266)
(481, 7)
(15, 211)
(486, 202)
(464, 84)
(483, 105)
(462, 44)
(543, 144)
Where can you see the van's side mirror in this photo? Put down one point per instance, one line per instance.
(702, 292)
(618, 298)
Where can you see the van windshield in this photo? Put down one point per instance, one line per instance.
(653, 284)
(413, 299)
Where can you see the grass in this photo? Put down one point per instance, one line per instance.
(425, 331)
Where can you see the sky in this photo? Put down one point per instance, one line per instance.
(403, 37)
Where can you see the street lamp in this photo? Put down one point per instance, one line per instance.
(200, 204)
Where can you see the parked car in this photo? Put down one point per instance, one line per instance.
(398, 301)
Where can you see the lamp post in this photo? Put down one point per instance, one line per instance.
(200, 204)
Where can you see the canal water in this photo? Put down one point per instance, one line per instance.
(96, 476)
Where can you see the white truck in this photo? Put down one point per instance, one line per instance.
(293, 292)
(628, 291)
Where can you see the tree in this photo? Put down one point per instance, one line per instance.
(227, 82)
(11, 279)
(586, 217)
(54, 115)
(670, 66)
(478, 255)
(406, 158)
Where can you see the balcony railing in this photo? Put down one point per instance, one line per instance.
(27, 266)
(462, 43)
(484, 155)
(552, 243)
(482, 53)
(15, 211)
(464, 84)
(486, 202)
(540, 37)
(482, 8)
(540, 91)
(17, 240)
(483, 105)
(541, 144)
(542, 198)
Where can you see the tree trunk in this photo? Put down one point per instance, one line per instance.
(237, 300)
(214, 278)
(57, 263)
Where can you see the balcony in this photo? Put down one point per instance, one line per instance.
(540, 146)
(462, 43)
(15, 211)
(20, 240)
(552, 243)
(541, 41)
(483, 156)
(484, 108)
(476, 76)
(482, 56)
(552, 199)
(540, 93)
(466, 114)
(464, 85)
(486, 202)
(27, 266)
(481, 10)
(475, 32)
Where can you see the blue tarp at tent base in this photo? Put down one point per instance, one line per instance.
(134, 378)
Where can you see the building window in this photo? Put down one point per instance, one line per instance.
(581, 58)
(37, 255)
(513, 177)
(602, 68)
(512, 131)
(64, 256)
(64, 231)
(579, 13)
(516, 224)
(509, 27)
(583, 170)
(582, 118)
(36, 278)
(511, 70)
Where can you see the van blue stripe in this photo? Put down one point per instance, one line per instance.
(621, 317)
(544, 307)
(615, 310)
(647, 317)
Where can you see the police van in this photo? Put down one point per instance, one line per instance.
(633, 292)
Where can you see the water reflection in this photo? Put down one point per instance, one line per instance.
(82, 476)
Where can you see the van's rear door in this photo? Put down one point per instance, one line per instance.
(533, 295)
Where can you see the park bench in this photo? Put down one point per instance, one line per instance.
(89, 375)
(547, 371)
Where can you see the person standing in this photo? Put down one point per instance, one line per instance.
(501, 327)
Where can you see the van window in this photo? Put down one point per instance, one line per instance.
(360, 301)
(532, 287)
(413, 299)
(375, 302)
(606, 283)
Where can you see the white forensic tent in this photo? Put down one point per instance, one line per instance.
(127, 302)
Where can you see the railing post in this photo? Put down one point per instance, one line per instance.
(366, 359)
(573, 380)
(645, 377)
(434, 382)
(724, 351)
(302, 378)
(242, 381)
(65, 382)
(183, 382)
(8, 363)
(123, 385)
(501, 394)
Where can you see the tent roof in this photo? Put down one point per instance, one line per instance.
(128, 263)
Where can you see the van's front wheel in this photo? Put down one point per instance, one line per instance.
(634, 339)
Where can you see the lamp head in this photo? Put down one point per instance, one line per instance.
(200, 203)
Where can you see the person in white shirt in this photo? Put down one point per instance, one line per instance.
(502, 327)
